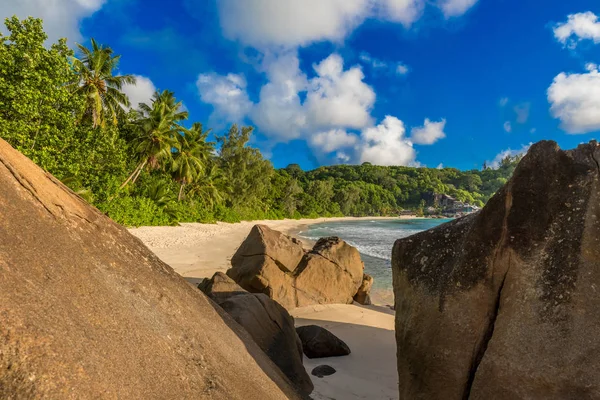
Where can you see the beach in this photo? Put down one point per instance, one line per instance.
(197, 251)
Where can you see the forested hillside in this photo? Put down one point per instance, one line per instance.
(150, 164)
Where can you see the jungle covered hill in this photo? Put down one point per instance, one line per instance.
(153, 164)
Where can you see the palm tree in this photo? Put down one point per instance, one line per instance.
(207, 186)
(158, 132)
(191, 157)
(102, 90)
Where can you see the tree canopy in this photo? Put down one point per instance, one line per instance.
(154, 166)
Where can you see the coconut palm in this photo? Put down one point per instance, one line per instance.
(207, 186)
(191, 157)
(158, 133)
(102, 90)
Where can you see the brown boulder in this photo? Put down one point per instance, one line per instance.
(284, 250)
(363, 296)
(331, 272)
(504, 304)
(269, 324)
(87, 311)
(220, 286)
(272, 328)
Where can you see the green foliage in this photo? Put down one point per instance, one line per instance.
(147, 168)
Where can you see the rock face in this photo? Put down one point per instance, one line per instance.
(505, 304)
(323, 370)
(272, 263)
(269, 324)
(87, 311)
(318, 342)
(363, 296)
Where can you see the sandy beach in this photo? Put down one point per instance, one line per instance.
(197, 251)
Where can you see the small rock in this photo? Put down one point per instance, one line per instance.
(323, 370)
(318, 342)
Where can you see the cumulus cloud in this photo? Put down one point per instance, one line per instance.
(429, 133)
(289, 24)
(335, 139)
(372, 61)
(386, 144)
(455, 8)
(227, 94)
(497, 161)
(404, 11)
(262, 23)
(339, 98)
(508, 126)
(141, 92)
(61, 17)
(580, 26)
(279, 112)
(575, 100)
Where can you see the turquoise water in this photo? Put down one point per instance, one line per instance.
(374, 239)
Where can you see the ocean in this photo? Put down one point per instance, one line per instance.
(374, 240)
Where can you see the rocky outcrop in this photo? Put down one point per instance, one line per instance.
(505, 303)
(272, 328)
(220, 287)
(87, 311)
(318, 342)
(332, 272)
(363, 295)
(269, 324)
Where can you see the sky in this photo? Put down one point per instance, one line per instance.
(435, 83)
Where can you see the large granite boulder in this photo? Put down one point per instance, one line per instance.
(332, 272)
(505, 303)
(269, 324)
(318, 342)
(87, 311)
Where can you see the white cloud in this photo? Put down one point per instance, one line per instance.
(401, 69)
(580, 26)
(497, 161)
(61, 17)
(508, 126)
(275, 23)
(503, 101)
(141, 92)
(429, 133)
(337, 97)
(372, 61)
(263, 23)
(575, 100)
(455, 8)
(532, 130)
(227, 94)
(404, 11)
(335, 139)
(522, 111)
(440, 166)
(386, 144)
(279, 112)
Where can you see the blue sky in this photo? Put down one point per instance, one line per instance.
(392, 82)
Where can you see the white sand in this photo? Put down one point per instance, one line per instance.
(197, 251)
(369, 372)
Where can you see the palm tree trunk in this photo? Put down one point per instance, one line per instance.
(180, 192)
(135, 171)
(138, 173)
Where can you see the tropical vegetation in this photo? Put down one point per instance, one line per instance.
(151, 165)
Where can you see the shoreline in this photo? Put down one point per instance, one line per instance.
(197, 251)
